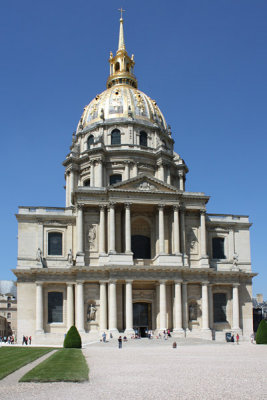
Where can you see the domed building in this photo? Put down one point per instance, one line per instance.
(132, 251)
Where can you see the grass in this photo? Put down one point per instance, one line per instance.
(13, 358)
(67, 365)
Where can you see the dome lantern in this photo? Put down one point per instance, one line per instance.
(121, 65)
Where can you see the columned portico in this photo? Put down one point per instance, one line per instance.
(129, 306)
(185, 306)
(103, 306)
(112, 240)
(205, 307)
(39, 308)
(235, 325)
(70, 304)
(178, 324)
(127, 228)
(79, 312)
(162, 305)
(112, 311)
(161, 229)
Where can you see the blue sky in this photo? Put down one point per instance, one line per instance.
(205, 64)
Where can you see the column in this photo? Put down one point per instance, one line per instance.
(127, 228)
(169, 175)
(71, 185)
(129, 306)
(127, 170)
(112, 306)
(70, 304)
(203, 233)
(161, 172)
(181, 180)
(79, 227)
(182, 232)
(118, 230)
(235, 307)
(67, 190)
(79, 307)
(205, 306)
(161, 230)
(178, 306)
(92, 174)
(102, 248)
(162, 305)
(103, 306)
(176, 236)
(111, 228)
(100, 173)
(39, 308)
(185, 307)
(210, 306)
(231, 244)
(135, 170)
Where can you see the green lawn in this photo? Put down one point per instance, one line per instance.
(13, 358)
(67, 365)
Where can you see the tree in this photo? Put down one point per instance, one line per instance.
(261, 335)
(73, 338)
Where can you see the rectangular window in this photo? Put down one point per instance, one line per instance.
(218, 248)
(219, 307)
(55, 307)
(54, 244)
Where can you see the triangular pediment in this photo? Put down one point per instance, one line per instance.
(143, 183)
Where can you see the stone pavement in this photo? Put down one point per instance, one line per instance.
(145, 369)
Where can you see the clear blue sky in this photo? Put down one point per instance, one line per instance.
(203, 61)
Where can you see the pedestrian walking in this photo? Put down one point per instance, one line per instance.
(237, 338)
(120, 342)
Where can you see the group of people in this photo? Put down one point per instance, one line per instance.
(7, 339)
(26, 340)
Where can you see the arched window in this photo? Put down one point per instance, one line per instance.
(86, 183)
(114, 179)
(8, 305)
(143, 138)
(115, 137)
(117, 66)
(219, 307)
(55, 307)
(8, 315)
(90, 141)
(218, 248)
(55, 244)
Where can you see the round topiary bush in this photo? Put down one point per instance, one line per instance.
(73, 339)
(261, 335)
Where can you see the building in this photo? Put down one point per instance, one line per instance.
(8, 306)
(132, 249)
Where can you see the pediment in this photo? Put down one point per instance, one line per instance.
(143, 183)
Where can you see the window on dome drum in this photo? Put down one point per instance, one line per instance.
(219, 307)
(55, 307)
(55, 244)
(8, 305)
(143, 138)
(115, 137)
(117, 66)
(218, 248)
(8, 315)
(114, 179)
(86, 183)
(90, 141)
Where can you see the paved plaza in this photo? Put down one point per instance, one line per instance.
(145, 369)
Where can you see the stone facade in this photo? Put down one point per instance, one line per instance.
(8, 305)
(132, 249)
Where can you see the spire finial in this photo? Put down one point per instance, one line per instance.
(121, 35)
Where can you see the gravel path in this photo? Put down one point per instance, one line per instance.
(145, 369)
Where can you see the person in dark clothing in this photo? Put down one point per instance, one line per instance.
(120, 342)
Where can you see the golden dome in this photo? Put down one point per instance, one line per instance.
(123, 102)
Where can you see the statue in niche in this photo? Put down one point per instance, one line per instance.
(70, 257)
(91, 236)
(91, 312)
(192, 241)
(193, 311)
(39, 255)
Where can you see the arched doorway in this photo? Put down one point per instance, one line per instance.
(140, 240)
(142, 318)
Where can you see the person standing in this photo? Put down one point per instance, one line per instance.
(104, 336)
(120, 342)
(237, 338)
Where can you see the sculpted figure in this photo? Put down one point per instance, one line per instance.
(70, 257)
(39, 255)
(91, 311)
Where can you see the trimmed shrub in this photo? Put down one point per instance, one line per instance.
(261, 335)
(73, 339)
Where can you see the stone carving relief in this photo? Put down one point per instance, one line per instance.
(143, 294)
(145, 186)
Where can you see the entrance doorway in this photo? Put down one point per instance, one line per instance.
(141, 246)
(142, 318)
